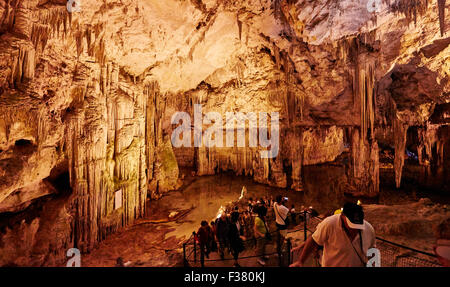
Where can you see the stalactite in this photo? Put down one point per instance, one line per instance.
(277, 9)
(54, 18)
(244, 161)
(410, 8)
(399, 131)
(287, 74)
(24, 63)
(150, 92)
(39, 36)
(274, 172)
(366, 98)
(441, 7)
(301, 104)
(163, 169)
(79, 41)
(89, 39)
(364, 169)
(239, 23)
(276, 52)
(239, 68)
(43, 129)
(100, 54)
(363, 78)
(106, 151)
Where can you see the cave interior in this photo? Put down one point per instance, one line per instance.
(357, 101)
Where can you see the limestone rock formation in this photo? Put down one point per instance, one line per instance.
(87, 98)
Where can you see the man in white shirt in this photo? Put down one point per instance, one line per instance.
(345, 238)
(281, 213)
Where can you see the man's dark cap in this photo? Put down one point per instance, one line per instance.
(353, 212)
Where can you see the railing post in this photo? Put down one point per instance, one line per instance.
(305, 224)
(195, 248)
(289, 248)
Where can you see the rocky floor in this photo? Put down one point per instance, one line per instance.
(410, 224)
(143, 245)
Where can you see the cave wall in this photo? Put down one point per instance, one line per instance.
(62, 102)
(91, 94)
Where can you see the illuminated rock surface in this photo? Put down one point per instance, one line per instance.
(86, 101)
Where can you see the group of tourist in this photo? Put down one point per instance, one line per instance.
(232, 228)
(225, 232)
(344, 237)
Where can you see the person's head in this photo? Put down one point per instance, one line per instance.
(261, 211)
(442, 247)
(212, 223)
(279, 199)
(354, 215)
(234, 217)
(204, 223)
(293, 206)
(236, 208)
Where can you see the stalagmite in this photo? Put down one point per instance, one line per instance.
(297, 160)
(420, 146)
(399, 130)
(440, 152)
(431, 138)
(374, 169)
